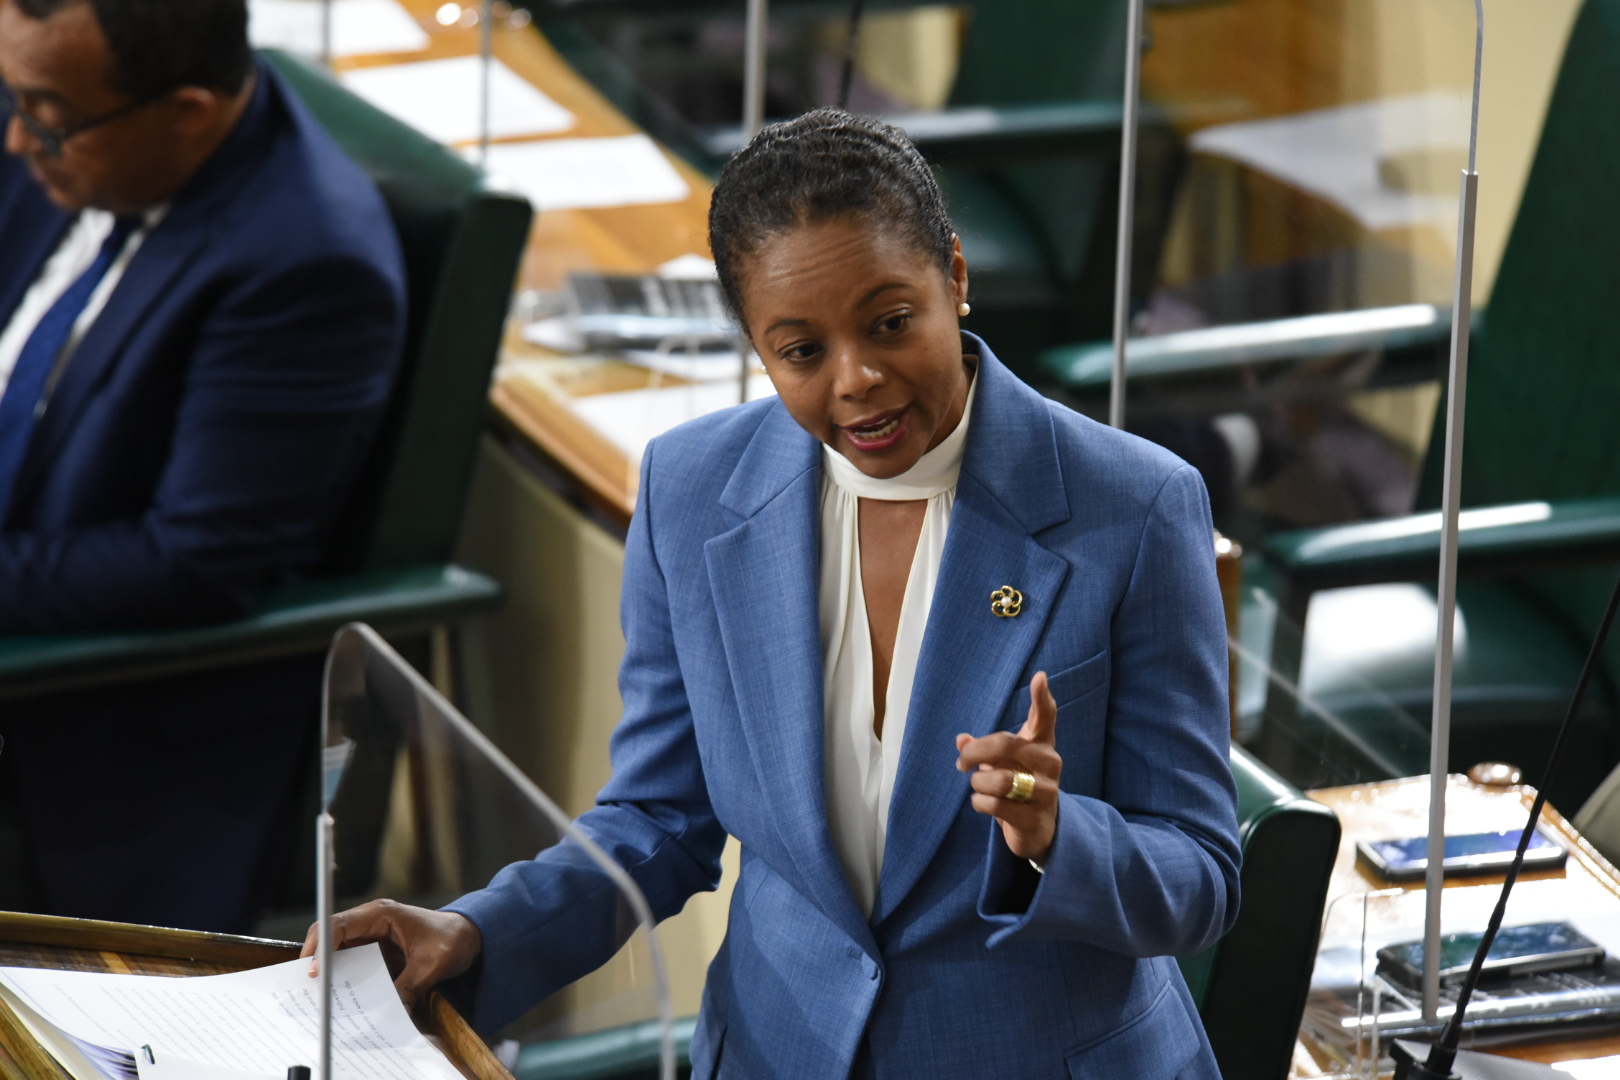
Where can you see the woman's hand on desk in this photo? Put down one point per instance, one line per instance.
(995, 762)
(422, 947)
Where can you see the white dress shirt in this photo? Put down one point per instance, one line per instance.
(72, 257)
(861, 767)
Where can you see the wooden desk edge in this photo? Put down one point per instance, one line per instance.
(1579, 848)
(443, 1020)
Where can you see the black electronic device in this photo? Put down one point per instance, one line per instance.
(1517, 950)
(1470, 853)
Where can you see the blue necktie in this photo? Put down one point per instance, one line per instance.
(38, 357)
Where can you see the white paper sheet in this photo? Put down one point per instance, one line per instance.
(1603, 1068)
(255, 1022)
(633, 418)
(441, 99)
(359, 27)
(563, 174)
(1335, 153)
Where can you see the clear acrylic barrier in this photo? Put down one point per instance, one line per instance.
(425, 808)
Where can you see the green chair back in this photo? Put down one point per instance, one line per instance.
(462, 243)
(1543, 378)
(1251, 985)
(1034, 51)
(1030, 52)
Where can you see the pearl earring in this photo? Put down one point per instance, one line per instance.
(964, 309)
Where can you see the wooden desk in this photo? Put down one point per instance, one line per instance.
(1588, 884)
(533, 386)
(83, 945)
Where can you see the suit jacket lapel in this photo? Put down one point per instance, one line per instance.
(764, 576)
(972, 660)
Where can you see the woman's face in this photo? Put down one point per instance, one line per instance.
(858, 331)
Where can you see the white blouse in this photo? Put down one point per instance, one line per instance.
(860, 767)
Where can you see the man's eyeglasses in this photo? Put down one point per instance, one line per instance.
(52, 139)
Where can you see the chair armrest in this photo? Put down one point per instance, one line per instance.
(1218, 348)
(992, 134)
(1508, 538)
(618, 1052)
(293, 619)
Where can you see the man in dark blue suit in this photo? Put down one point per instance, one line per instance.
(201, 313)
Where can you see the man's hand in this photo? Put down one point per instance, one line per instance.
(995, 761)
(422, 947)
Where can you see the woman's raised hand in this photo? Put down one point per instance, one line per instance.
(422, 947)
(996, 762)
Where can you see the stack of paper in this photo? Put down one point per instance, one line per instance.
(248, 1024)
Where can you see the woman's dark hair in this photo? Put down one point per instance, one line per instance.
(824, 165)
(161, 45)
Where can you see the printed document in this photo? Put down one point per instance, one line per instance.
(239, 1026)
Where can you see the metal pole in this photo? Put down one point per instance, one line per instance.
(1127, 209)
(1451, 502)
(326, 33)
(753, 120)
(754, 69)
(325, 860)
(486, 50)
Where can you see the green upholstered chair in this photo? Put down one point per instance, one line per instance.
(391, 563)
(1250, 986)
(1540, 537)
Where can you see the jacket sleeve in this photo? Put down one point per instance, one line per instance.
(1151, 868)
(283, 386)
(557, 917)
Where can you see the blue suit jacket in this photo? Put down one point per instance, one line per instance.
(971, 965)
(210, 427)
(200, 446)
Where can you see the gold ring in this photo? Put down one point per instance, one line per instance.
(1023, 786)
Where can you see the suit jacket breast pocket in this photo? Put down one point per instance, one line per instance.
(1076, 685)
(1073, 684)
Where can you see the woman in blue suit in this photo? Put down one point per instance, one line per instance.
(906, 567)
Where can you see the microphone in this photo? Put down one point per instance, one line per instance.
(1443, 1054)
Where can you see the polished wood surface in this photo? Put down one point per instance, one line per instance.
(86, 945)
(1587, 884)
